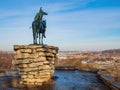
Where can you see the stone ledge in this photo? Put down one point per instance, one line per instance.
(16, 47)
(109, 81)
(117, 84)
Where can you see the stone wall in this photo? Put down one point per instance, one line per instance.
(35, 63)
(109, 80)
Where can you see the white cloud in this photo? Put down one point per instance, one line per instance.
(62, 5)
(92, 18)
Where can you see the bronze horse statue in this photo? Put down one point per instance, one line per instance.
(39, 27)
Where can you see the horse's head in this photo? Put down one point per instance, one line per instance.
(41, 11)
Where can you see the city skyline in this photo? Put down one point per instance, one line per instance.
(71, 25)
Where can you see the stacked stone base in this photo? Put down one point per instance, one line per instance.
(35, 63)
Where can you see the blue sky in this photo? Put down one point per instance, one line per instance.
(71, 24)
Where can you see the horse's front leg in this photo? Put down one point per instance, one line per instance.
(39, 39)
(36, 38)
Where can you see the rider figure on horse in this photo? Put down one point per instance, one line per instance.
(39, 27)
(39, 15)
(38, 18)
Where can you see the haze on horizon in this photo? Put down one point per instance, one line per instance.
(71, 24)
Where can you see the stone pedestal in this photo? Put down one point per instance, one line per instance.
(35, 63)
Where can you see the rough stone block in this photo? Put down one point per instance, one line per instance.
(23, 65)
(30, 76)
(50, 54)
(43, 76)
(40, 59)
(41, 54)
(35, 64)
(52, 62)
(40, 49)
(26, 50)
(33, 56)
(51, 51)
(33, 72)
(46, 67)
(25, 69)
(46, 62)
(18, 52)
(21, 61)
(29, 69)
(23, 76)
(23, 73)
(50, 58)
(22, 56)
(40, 68)
(34, 80)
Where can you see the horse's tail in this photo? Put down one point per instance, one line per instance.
(34, 25)
(44, 23)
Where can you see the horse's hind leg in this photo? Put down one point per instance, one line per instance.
(36, 38)
(42, 38)
(33, 37)
(34, 33)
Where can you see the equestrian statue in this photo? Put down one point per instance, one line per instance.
(39, 27)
